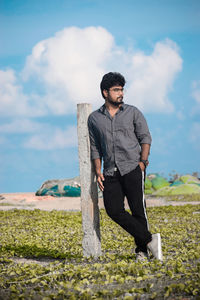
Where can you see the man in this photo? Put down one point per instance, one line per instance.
(120, 136)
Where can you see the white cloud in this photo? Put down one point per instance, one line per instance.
(53, 139)
(42, 136)
(20, 126)
(12, 98)
(67, 69)
(152, 77)
(71, 65)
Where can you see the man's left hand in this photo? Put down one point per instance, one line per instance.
(142, 166)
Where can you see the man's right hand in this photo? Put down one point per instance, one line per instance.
(100, 179)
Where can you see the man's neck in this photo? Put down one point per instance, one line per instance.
(112, 108)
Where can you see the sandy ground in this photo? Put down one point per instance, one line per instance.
(30, 201)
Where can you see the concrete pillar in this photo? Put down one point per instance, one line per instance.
(89, 194)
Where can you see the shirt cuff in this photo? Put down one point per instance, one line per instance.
(94, 155)
(146, 140)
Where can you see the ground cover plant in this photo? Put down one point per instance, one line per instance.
(41, 257)
(184, 198)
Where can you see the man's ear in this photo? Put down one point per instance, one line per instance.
(105, 92)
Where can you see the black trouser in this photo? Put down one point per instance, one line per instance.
(130, 185)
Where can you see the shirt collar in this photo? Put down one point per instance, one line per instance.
(103, 108)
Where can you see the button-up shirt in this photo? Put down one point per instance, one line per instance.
(118, 139)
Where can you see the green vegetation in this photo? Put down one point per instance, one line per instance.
(157, 185)
(12, 204)
(53, 240)
(185, 198)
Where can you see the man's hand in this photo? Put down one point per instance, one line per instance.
(99, 175)
(100, 179)
(142, 166)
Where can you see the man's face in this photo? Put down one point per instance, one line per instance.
(114, 95)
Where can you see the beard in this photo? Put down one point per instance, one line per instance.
(115, 103)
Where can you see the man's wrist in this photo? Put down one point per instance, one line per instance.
(98, 173)
(145, 162)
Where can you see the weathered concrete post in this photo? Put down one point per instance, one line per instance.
(89, 195)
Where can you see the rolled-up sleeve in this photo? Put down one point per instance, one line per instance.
(141, 128)
(95, 148)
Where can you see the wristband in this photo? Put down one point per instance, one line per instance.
(145, 162)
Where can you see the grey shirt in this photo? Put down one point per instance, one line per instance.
(118, 139)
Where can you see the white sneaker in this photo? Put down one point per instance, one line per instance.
(155, 246)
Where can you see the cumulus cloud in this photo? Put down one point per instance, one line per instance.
(55, 138)
(70, 66)
(12, 98)
(152, 77)
(39, 135)
(67, 69)
(21, 126)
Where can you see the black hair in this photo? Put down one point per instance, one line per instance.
(111, 79)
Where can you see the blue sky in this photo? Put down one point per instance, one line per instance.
(53, 55)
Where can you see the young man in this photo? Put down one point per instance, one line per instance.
(120, 136)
